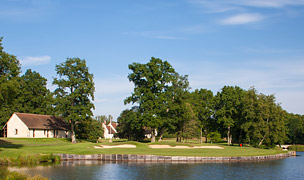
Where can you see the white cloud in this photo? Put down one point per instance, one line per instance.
(270, 3)
(242, 19)
(217, 6)
(34, 61)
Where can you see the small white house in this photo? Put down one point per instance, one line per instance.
(23, 125)
(109, 130)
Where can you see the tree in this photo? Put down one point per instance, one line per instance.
(9, 75)
(151, 82)
(203, 102)
(90, 130)
(295, 131)
(264, 120)
(129, 125)
(179, 111)
(33, 96)
(75, 90)
(228, 108)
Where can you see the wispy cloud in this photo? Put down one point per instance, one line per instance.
(243, 11)
(223, 6)
(242, 19)
(35, 61)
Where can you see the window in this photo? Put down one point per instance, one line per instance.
(16, 131)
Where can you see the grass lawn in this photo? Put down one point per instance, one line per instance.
(14, 147)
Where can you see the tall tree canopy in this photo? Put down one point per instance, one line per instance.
(9, 74)
(151, 81)
(203, 102)
(33, 96)
(74, 93)
(228, 108)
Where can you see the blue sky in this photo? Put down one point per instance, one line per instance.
(246, 43)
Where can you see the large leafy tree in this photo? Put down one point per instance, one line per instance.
(151, 81)
(179, 112)
(203, 102)
(9, 75)
(295, 124)
(228, 108)
(33, 96)
(129, 125)
(74, 93)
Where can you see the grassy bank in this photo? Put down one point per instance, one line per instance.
(18, 147)
(9, 175)
(296, 148)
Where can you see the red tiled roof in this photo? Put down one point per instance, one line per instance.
(37, 121)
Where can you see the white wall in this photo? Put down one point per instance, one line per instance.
(15, 123)
(23, 131)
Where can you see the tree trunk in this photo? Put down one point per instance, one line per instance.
(201, 138)
(161, 134)
(261, 142)
(152, 135)
(73, 133)
(228, 136)
(206, 134)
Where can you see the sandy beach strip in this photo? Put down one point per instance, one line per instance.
(117, 146)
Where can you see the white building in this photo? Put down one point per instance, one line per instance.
(23, 125)
(109, 130)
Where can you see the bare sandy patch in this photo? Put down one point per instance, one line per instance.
(117, 146)
(184, 147)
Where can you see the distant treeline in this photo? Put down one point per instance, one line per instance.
(164, 104)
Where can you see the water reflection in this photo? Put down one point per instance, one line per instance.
(289, 168)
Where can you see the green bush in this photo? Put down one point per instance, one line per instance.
(296, 148)
(214, 136)
(31, 159)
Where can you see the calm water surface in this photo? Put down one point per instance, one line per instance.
(289, 168)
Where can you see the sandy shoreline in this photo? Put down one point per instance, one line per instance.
(117, 146)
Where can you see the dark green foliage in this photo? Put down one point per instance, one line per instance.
(265, 121)
(214, 136)
(152, 82)
(204, 104)
(25, 94)
(75, 90)
(33, 96)
(228, 109)
(296, 148)
(129, 125)
(9, 77)
(295, 124)
(89, 130)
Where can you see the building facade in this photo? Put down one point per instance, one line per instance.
(24, 125)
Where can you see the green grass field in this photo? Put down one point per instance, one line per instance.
(14, 147)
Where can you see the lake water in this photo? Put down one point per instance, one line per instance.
(289, 168)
